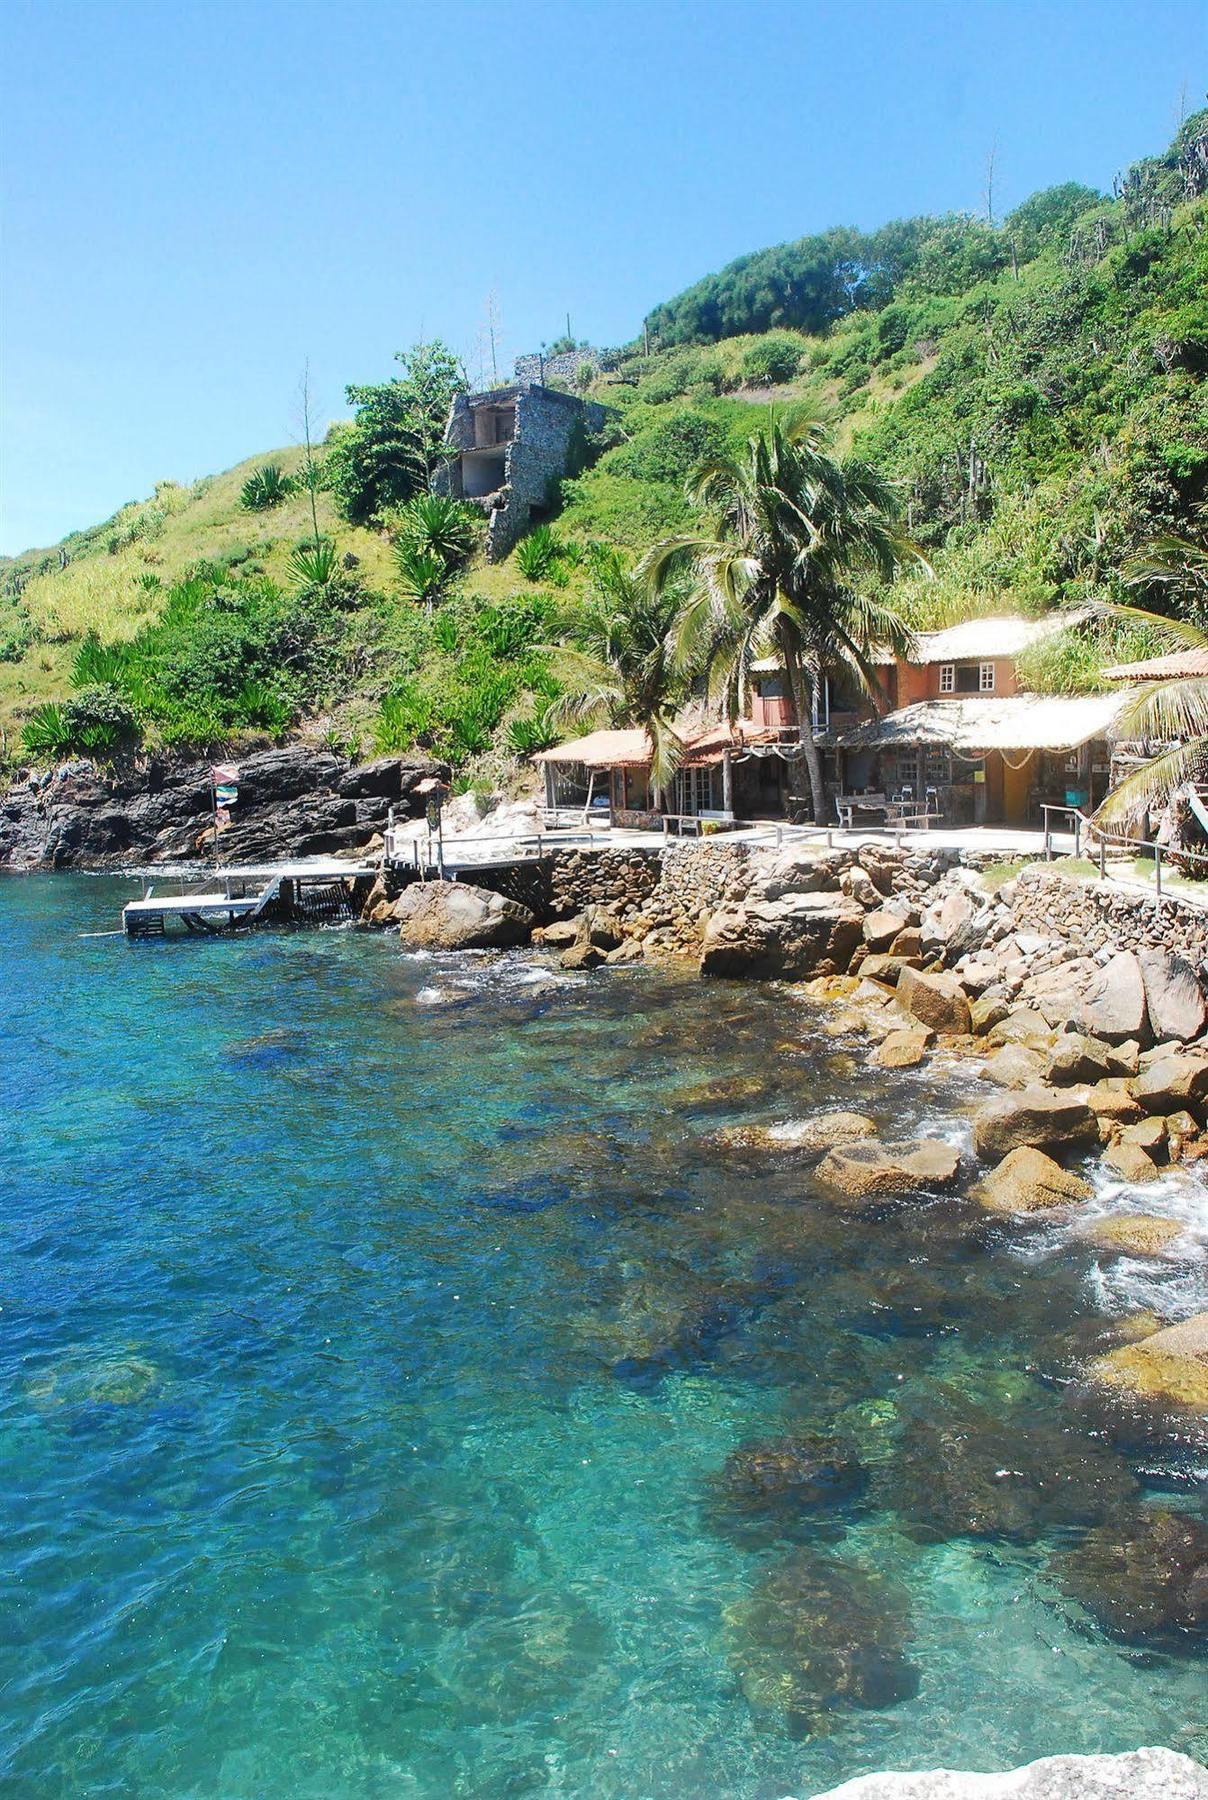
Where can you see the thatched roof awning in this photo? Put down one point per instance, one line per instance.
(970, 727)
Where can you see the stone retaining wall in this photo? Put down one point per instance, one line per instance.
(1094, 914)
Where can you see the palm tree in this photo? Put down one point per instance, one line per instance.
(618, 668)
(795, 530)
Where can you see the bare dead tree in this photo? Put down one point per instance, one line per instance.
(309, 425)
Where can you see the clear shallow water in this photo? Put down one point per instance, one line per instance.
(374, 1330)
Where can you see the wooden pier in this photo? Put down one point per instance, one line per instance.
(317, 889)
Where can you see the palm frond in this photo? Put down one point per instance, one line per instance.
(1155, 781)
(1167, 710)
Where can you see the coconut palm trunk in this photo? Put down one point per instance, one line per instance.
(803, 685)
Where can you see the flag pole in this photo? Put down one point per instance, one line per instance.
(214, 804)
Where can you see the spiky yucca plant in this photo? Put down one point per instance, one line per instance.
(265, 488)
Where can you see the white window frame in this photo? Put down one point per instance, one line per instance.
(947, 678)
(985, 678)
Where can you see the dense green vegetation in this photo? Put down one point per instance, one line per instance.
(1032, 391)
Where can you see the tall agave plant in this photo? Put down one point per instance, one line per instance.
(265, 488)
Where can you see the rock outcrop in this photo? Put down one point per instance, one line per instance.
(1134, 1775)
(293, 801)
(797, 934)
(453, 915)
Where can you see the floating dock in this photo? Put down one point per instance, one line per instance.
(319, 890)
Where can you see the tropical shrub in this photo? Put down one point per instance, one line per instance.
(536, 553)
(394, 444)
(403, 718)
(96, 722)
(265, 488)
(670, 448)
(261, 706)
(45, 732)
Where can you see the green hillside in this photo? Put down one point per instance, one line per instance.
(1035, 388)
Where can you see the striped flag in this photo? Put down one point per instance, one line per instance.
(225, 793)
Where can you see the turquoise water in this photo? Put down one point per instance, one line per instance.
(375, 1332)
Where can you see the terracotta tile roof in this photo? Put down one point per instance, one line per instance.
(1180, 665)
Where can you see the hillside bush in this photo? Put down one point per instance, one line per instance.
(776, 357)
(670, 448)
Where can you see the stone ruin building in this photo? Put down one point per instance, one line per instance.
(514, 444)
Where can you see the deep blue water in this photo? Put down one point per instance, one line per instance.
(374, 1331)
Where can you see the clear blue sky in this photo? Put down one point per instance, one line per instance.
(199, 197)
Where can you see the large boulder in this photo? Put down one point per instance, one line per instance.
(881, 928)
(1173, 995)
(453, 915)
(800, 934)
(1172, 1365)
(1012, 1067)
(871, 1167)
(935, 1000)
(1171, 1083)
(902, 1049)
(1035, 1117)
(1131, 1775)
(1077, 1057)
(1113, 1006)
(1028, 1181)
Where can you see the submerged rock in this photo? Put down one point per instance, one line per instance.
(963, 1470)
(902, 1049)
(1171, 1366)
(818, 1635)
(802, 1137)
(872, 1167)
(1146, 1583)
(1134, 1234)
(453, 915)
(771, 1488)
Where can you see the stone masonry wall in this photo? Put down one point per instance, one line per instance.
(565, 366)
(561, 885)
(1093, 914)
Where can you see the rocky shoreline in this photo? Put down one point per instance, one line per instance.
(1086, 1054)
(294, 801)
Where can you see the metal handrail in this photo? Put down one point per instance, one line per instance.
(1092, 830)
